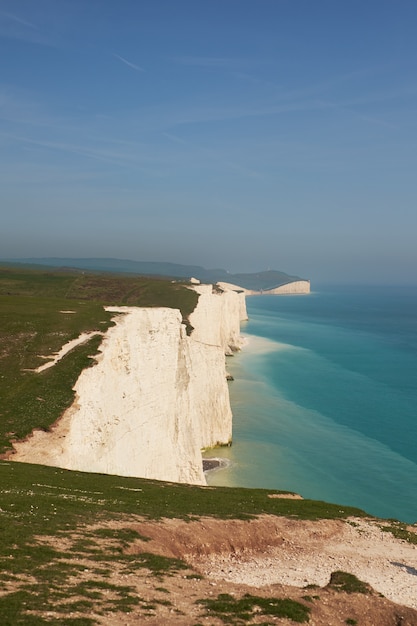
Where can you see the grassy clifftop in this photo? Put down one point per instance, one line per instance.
(40, 311)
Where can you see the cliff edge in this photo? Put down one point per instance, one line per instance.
(155, 397)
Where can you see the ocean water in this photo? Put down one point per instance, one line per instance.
(325, 399)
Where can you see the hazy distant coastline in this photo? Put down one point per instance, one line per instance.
(268, 281)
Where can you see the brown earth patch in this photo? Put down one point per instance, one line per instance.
(269, 557)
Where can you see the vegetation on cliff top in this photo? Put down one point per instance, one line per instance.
(40, 312)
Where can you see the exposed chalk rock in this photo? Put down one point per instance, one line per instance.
(298, 286)
(295, 287)
(155, 397)
(216, 319)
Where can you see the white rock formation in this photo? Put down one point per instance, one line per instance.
(296, 287)
(216, 319)
(154, 399)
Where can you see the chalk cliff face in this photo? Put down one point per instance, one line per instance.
(296, 287)
(217, 317)
(154, 399)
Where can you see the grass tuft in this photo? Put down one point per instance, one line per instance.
(348, 583)
(241, 611)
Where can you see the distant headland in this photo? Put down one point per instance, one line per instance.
(265, 282)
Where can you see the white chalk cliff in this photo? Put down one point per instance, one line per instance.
(295, 287)
(155, 397)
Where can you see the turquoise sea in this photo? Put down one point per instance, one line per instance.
(325, 399)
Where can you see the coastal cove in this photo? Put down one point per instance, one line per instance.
(324, 399)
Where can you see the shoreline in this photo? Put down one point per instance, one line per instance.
(291, 429)
(252, 345)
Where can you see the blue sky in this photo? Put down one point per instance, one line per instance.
(226, 133)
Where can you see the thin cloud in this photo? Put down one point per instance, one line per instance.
(129, 63)
(14, 27)
(366, 118)
(130, 157)
(17, 20)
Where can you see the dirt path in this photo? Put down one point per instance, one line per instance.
(70, 345)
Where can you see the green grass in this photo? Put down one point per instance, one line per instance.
(102, 288)
(399, 530)
(240, 611)
(123, 535)
(35, 494)
(38, 503)
(311, 598)
(348, 583)
(39, 509)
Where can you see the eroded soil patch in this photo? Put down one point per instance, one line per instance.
(208, 571)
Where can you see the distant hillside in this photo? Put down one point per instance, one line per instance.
(257, 281)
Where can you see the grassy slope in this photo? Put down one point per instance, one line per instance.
(37, 503)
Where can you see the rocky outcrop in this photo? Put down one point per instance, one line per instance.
(154, 399)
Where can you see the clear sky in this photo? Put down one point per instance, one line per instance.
(242, 134)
